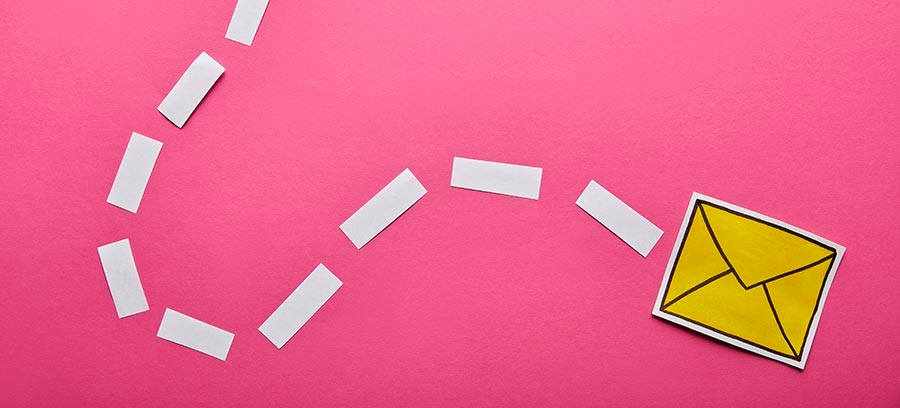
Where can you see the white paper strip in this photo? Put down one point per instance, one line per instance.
(192, 333)
(501, 178)
(300, 306)
(190, 89)
(134, 172)
(379, 212)
(618, 217)
(245, 20)
(122, 277)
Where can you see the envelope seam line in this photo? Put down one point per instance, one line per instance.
(697, 287)
(798, 270)
(683, 238)
(778, 320)
(768, 223)
(716, 242)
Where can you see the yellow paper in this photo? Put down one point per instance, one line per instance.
(748, 280)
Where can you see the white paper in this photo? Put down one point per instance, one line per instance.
(134, 172)
(245, 20)
(122, 278)
(190, 89)
(300, 306)
(618, 217)
(192, 333)
(379, 212)
(492, 177)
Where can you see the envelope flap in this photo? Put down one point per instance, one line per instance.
(760, 251)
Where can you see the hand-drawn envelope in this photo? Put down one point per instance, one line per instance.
(748, 280)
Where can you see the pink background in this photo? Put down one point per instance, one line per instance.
(791, 109)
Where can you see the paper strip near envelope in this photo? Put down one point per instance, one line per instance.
(134, 172)
(385, 207)
(192, 333)
(245, 20)
(122, 278)
(500, 178)
(190, 89)
(300, 306)
(749, 280)
(629, 225)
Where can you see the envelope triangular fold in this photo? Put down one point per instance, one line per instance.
(757, 250)
(698, 259)
(726, 307)
(795, 298)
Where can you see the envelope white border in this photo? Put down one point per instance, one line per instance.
(657, 311)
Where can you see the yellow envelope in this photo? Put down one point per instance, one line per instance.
(748, 280)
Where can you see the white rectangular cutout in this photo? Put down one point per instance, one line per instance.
(134, 172)
(300, 306)
(245, 20)
(492, 177)
(122, 278)
(192, 333)
(637, 231)
(190, 89)
(385, 207)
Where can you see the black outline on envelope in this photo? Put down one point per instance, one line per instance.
(798, 353)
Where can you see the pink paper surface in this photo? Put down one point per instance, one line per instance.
(791, 109)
